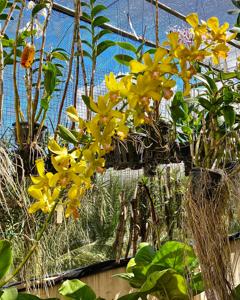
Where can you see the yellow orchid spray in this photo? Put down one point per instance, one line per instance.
(132, 97)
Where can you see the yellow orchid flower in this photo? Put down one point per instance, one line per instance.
(117, 88)
(45, 199)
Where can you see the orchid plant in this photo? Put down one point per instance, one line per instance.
(129, 100)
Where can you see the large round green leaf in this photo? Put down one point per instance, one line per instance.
(5, 257)
(174, 255)
(76, 289)
(10, 294)
(167, 283)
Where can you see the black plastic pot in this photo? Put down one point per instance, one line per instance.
(25, 131)
(205, 183)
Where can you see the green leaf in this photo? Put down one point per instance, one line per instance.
(103, 46)
(67, 135)
(85, 4)
(87, 43)
(179, 108)
(208, 82)
(60, 55)
(173, 255)
(236, 3)
(86, 100)
(168, 283)
(236, 293)
(233, 11)
(37, 8)
(86, 54)
(101, 34)
(123, 59)
(205, 103)
(127, 46)
(4, 17)
(3, 5)
(86, 16)
(229, 115)
(98, 21)
(5, 257)
(97, 9)
(76, 289)
(196, 283)
(49, 77)
(10, 294)
(85, 28)
(45, 103)
(145, 254)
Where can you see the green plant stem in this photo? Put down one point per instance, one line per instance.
(39, 235)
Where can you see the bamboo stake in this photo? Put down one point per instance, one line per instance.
(76, 20)
(40, 68)
(121, 228)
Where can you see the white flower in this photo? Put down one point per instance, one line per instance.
(31, 5)
(25, 28)
(43, 12)
(39, 28)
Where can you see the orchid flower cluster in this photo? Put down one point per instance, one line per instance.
(148, 82)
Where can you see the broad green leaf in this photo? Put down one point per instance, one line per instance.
(229, 115)
(205, 103)
(3, 5)
(76, 289)
(196, 283)
(5, 257)
(123, 59)
(236, 293)
(86, 42)
(173, 255)
(86, 100)
(4, 17)
(236, 3)
(101, 34)
(86, 16)
(97, 9)
(144, 255)
(86, 54)
(49, 77)
(37, 8)
(208, 82)
(127, 46)
(103, 46)
(9, 294)
(60, 55)
(168, 283)
(98, 21)
(67, 135)
(179, 108)
(85, 28)
(85, 4)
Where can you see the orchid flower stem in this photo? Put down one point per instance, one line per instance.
(39, 235)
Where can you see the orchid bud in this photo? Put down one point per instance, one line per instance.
(28, 55)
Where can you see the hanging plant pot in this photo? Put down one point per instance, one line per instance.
(28, 153)
(126, 154)
(207, 210)
(143, 149)
(25, 131)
